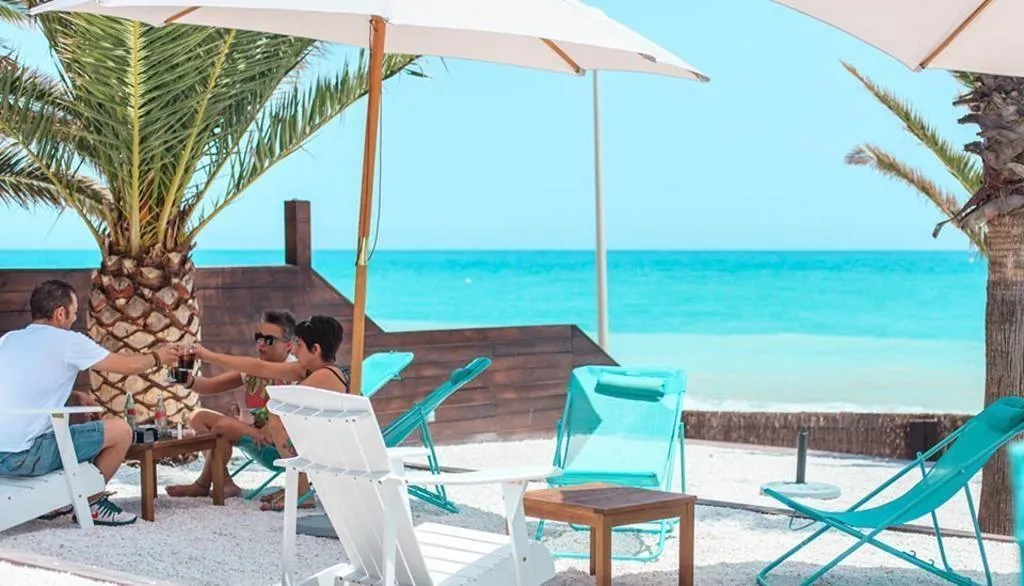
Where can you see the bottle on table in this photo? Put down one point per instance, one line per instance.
(160, 417)
(129, 410)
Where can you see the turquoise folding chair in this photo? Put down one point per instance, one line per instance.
(1017, 479)
(964, 453)
(378, 370)
(417, 418)
(622, 426)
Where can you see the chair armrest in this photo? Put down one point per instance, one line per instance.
(517, 474)
(406, 453)
(55, 412)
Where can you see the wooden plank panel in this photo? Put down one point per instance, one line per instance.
(24, 280)
(543, 345)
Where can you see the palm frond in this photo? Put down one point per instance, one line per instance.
(287, 123)
(39, 134)
(887, 164)
(962, 166)
(146, 120)
(14, 12)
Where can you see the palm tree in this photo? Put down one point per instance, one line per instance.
(992, 217)
(147, 134)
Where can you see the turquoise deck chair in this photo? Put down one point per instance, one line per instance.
(378, 370)
(1016, 453)
(964, 453)
(417, 417)
(622, 426)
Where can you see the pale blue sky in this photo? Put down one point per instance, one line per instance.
(491, 157)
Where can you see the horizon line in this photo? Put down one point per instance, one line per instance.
(518, 250)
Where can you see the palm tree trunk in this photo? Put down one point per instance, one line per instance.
(134, 305)
(1004, 354)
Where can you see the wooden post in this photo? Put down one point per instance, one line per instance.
(922, 434)
(378, 29)
(297, 234)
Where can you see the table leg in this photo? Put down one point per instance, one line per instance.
(686, 545)
(601, 552)
(593, 551)
(217, 463)
(147, 471)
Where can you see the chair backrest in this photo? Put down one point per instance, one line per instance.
(381, 368)
(1016, 454)
(406, 423)
(621, 420)
(338, 434)
(977, 441)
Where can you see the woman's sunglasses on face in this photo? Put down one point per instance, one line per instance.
(264, 338)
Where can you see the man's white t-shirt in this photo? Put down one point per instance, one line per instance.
(38, 367)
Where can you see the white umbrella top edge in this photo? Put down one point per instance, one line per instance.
(954, 35)
(603, 44)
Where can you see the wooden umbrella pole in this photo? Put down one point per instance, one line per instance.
(377, 32)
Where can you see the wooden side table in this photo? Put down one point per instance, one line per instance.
(148, 454)
(603, 506)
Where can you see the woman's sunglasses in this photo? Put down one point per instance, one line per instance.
(265, 338)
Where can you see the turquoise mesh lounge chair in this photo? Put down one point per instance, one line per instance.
(416, 419)
(1017, 480)
(964, 452)
(622, 426)
(378, 370)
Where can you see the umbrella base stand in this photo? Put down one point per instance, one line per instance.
(315, 525)
(801, 489)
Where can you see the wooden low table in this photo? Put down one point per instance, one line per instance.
(603, 506)
(148, 454)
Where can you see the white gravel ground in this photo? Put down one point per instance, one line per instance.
(193, 542)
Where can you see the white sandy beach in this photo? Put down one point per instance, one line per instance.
(193, 542)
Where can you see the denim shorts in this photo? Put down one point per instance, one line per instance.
(42, 457)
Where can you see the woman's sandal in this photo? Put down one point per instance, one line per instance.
(276, 503)
(271, 495)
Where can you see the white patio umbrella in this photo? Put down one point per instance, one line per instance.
(565, 36)
(982, 36)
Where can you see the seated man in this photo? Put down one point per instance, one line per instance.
(316, 345)
(38, 367)
(273, 339)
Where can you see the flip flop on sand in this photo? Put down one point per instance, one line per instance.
(276, 503)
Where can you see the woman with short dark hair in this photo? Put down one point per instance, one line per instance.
(316, 344)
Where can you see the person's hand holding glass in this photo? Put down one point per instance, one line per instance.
(181, 371)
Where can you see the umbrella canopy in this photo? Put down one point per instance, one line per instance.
(980, 36)
(556, 35)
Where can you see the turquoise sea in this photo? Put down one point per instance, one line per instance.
(886, 331)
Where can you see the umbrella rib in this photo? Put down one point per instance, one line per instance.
(180, 15)
(564, 56)
(956, 33)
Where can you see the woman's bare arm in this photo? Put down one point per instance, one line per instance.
(253, 366)
(213, 385)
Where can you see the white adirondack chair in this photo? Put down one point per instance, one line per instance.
(362, 487)
(25, 498)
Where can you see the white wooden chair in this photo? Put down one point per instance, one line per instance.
(363, 488)
(25, 498)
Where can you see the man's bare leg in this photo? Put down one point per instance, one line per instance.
(204, 421)
(284, 445)
(117, 438)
